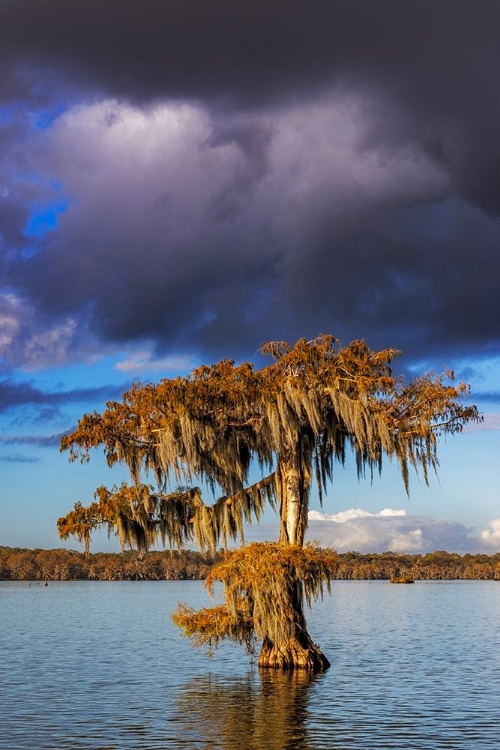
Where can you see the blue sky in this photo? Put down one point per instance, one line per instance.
(171, 199)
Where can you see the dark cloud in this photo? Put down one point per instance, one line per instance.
(429, 68)
(255, 52)
(19, 458)
(237, 172)
(14, 395)
(40, 441)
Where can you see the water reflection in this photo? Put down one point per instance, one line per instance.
(101, 667)
(259, 710)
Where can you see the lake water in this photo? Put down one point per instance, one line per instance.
(100, 666)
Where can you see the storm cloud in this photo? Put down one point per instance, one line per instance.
(18, 394)
(197, 178)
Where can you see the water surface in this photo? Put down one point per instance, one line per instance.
(100, 666)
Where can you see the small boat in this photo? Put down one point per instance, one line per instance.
(402, 579)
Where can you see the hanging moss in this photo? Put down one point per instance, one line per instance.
(264, 587)
(294, 418)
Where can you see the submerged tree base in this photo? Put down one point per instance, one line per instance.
(292, 655)
(265, 586)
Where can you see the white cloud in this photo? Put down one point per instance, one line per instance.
(393, 529)
(491, 536)
(29, 341)
(349, 515)
(49, 346)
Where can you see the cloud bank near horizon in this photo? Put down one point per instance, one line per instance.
(396, 531)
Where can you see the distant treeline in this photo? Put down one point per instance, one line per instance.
(434, 566)
(68, 565)
(63, 565)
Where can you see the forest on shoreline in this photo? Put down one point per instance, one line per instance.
(18, 564)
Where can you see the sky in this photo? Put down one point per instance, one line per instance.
(182, 181)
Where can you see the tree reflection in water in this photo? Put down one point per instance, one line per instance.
(266, 710)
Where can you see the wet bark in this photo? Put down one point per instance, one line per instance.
(294, 654)
(297, 651)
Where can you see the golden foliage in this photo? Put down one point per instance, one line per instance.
(142, 518)
(299, 414)
(264, 586)
(208, 626)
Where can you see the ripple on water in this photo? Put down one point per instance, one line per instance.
(100, 666)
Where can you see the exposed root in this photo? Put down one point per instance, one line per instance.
(292, 655)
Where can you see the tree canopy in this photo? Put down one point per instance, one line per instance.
(295, 417)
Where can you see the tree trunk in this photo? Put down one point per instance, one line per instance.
(294, 500)
(297, 651)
